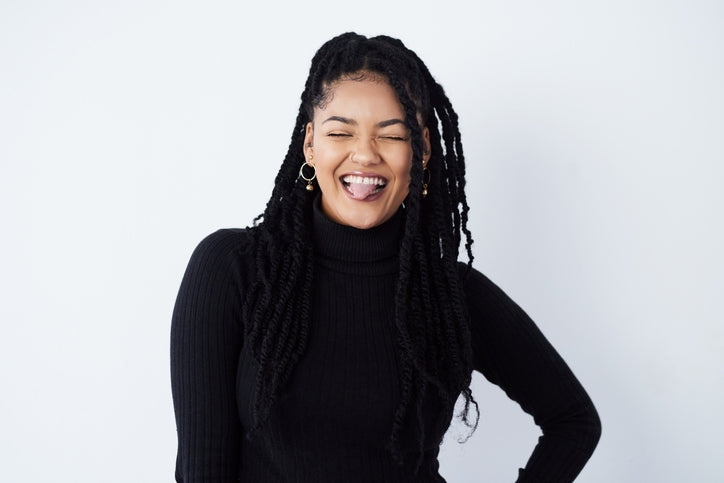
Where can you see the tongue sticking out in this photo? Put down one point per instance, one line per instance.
(361, 191)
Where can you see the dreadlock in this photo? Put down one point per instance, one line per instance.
(430, 315)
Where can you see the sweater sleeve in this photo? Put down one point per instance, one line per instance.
(511, 352)
(206, 338)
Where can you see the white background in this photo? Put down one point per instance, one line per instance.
(594, 140)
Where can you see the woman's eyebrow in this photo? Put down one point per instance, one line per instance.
(390, 122)
(340, 119)
(345, 120)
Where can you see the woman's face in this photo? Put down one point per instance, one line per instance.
(362, 152)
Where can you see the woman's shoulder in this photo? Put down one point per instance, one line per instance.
(480, 290)
(224, 250)
(227, 239)
(225, 242)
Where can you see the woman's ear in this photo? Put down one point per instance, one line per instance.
(308, 146)
(426, 153)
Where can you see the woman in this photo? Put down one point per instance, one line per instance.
(329, 342)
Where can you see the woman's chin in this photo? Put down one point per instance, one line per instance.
(357, 214)
(361, 219)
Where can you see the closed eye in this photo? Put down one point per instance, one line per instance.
(395, 138)
(338, 135)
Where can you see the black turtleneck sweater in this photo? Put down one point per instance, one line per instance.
(332, 422)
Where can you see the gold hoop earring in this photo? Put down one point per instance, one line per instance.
(310, 187)
(425, 183)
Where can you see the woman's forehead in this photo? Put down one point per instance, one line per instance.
(361, 97)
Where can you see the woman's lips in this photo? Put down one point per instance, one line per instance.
(363, 186)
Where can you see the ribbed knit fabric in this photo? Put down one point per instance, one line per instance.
(332, 422)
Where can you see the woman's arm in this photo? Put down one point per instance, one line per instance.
(206, 338)
(510, 351)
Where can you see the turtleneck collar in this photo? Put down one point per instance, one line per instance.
(346, 243)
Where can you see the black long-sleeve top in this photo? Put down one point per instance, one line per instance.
(333, 420)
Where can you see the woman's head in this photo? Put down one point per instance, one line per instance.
(366, 102)
(434, 138)
(370, 91)
(361, 148)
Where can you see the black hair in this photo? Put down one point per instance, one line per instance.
(431, 317)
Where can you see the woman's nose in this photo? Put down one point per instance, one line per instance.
(365, 152)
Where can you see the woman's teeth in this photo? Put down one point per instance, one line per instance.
(361, 187)
(362, 180)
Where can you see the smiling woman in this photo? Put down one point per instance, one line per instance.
(330, 341)
(361, 148)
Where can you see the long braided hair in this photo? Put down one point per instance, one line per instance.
(430, 315)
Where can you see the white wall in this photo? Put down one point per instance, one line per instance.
(593, 133)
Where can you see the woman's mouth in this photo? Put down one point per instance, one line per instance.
(363, 187)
